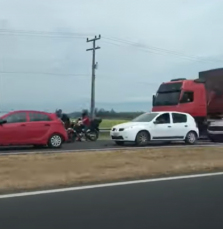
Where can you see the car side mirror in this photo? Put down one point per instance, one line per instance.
(3, 122)
(156, 122)
(153, 100)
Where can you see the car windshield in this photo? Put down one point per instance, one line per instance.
(146, 117)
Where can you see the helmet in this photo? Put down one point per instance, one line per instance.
(58, 112)
(84, 113)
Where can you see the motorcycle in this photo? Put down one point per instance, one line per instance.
(76, 132)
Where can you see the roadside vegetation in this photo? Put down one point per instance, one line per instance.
(42, 171)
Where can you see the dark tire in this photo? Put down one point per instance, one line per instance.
(71, 137)
(142, 138)
(119, 143)
(55, 141)
(191, 138)
(92, 135)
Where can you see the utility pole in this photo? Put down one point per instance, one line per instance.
(93, 73)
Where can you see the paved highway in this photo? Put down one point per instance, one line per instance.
(101, 144)
(175, 204)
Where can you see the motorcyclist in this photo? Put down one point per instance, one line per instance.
(58, 113)
(81, 125)
(64, 118)
(85, 121)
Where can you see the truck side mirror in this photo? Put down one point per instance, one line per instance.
(153, 100)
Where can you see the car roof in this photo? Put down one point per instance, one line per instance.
(163, 112)
(18, 111)
(32, 111)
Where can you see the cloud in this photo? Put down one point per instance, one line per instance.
(167, 36)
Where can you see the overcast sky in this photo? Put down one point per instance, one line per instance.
(43, 59)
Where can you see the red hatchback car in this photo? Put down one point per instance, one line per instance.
(32, 128)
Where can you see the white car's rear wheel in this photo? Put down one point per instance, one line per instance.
(191, 138)
(55, 141)
(142, 138)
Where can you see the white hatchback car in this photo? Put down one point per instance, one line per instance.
(162, 126)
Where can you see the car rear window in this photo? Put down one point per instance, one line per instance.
(179, 118)
(38, 117)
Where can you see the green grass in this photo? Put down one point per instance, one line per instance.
(104, 136)
(109, 123)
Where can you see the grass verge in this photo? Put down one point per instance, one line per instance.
(109, 123)
(34, 172)
(104, 136)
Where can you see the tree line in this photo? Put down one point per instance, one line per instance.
(108, 114)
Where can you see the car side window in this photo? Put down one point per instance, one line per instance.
(187, 97)
(38, 117)
(179, 118)
(16, 117)
(164, 118)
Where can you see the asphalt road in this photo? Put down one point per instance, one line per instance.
(177, 204)
(100, 144)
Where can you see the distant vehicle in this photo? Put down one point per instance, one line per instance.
(202, 97)
(215, 131)
(161, 126)
(32, 128)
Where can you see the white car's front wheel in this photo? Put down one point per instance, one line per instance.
(191, 138)
(142, 138)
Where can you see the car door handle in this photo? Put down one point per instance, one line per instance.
(186, 126)
(47, 124)
(169, 126)
(23, 125)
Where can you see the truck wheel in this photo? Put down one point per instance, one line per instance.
(191, 138)
(142, 138)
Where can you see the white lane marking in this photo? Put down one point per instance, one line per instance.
(107, 149)
(108, 185)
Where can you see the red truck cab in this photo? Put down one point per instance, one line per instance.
(202, 98)
(182, 96)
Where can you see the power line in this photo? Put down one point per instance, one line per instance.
(158, 50)
(42, 73)
(42, 33)
(76, 75)
(110, 40)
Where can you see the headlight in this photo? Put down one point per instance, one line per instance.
(130, 127)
